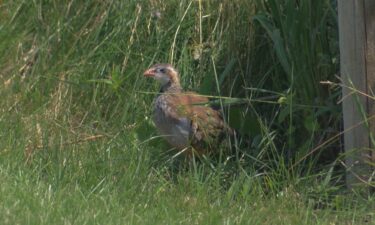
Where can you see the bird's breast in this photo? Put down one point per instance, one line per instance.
(174, 129)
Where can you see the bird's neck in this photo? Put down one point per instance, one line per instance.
(171, 87)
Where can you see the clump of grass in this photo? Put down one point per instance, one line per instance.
(306, 52)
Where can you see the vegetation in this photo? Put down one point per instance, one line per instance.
(77, 143)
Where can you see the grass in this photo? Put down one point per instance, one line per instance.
(78, 145)
(151, 202)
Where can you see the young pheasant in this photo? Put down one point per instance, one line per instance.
(182, 118)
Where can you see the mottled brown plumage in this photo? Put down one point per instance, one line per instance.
(183, 118)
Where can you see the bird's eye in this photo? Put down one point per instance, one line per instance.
(162, 70)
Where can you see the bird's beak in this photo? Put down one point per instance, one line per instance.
(149, 73)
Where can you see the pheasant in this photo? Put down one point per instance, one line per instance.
(183, 118)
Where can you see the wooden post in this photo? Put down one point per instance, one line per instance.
(357, 57)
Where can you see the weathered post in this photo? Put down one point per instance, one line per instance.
(357, 57)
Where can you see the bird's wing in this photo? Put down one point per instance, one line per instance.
(208, 128)
(207, 125)
(182, 105)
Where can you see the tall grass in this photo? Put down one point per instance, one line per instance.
(77, 143)
(303, 37)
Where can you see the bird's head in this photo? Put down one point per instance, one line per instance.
(164, 74)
